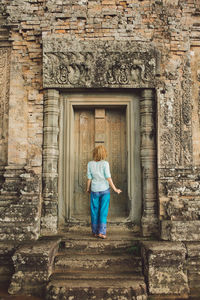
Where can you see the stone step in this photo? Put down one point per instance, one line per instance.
(81, 237)
(92, 245)
(97, 289)
(80, 261)
(116, 230)
(100, 275)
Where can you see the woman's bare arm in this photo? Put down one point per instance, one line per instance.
(88, 185)
(118, 191)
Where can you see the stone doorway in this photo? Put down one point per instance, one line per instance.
(94, 126)
(58, 154)
(90, 119)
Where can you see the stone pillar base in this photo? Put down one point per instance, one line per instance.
(150, 227)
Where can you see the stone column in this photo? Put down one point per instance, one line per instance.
(50, 162)
(148, 163)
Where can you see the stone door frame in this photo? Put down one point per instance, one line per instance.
(74, 65)
(68, 103)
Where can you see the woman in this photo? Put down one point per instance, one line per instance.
(99, 178)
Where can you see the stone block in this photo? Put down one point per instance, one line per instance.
(193, 267)
(33, 263)
(20, 219)
(180, 230)
(6, 264)
(164, 268)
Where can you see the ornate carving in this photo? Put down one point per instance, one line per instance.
(4, 98)
(176, 146)
(67, 69)
(187, 147)
(85, 64)
(166, 140)
(186, 128)
(186, 111)
(125, 74)
(167, 126)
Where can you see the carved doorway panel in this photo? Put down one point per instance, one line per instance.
(94, 126)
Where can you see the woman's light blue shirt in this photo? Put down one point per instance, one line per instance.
(98, 172)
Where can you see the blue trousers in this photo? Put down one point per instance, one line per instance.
(99, 204)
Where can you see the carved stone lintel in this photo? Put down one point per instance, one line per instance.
(68, 64)
(50, 162)
(148, 162)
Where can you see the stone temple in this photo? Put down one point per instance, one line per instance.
(79, 73)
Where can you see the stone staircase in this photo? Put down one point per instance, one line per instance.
(87, 268)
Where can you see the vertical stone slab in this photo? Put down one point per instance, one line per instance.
(148, 163)
(4, 100)
(18, 115)
(195, 67)
(99, 126)
(50, 162)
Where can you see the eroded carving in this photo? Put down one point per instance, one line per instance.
(186, 128)
(70, 69)
(124, 74)
(167, 142)
(177, 129)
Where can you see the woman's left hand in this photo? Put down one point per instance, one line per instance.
(118, 191)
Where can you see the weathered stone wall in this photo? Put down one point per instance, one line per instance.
(172, 28)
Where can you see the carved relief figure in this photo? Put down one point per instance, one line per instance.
(135, 73)
(62, 74)
(67, 68)
(117, 74)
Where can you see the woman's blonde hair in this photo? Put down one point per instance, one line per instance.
(99, 153)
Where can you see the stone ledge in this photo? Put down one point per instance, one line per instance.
(180, 230)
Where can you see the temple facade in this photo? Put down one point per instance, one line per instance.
(79, 73)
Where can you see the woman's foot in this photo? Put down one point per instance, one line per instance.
(102, 236)
(94, 234)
